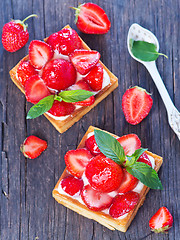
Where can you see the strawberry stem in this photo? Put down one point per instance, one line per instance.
(32, 15)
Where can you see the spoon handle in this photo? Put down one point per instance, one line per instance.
(152, 69)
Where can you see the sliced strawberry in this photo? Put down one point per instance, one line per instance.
(84, 60)
(84, 86)
(123, 204)
(104, 174)
(130, 143)
(95, 77)
(92, 19)
(60, 109)
(24, 71)
(95, 200)
(76, 161)
(36, 89)
(92, 146)
(144, 158)
(65, 41)
(161, 221)
(72, 185)
(136, 104)
(129, 182)
(33, 146)
(39, 53)
(59, 74)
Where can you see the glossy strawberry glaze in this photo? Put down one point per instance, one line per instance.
(137, 189)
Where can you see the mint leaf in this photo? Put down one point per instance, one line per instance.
(75, 95)
(146, 174)
(41, 107)
(134, 157)
(144, 51)
(109, 146)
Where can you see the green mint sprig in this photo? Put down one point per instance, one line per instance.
(144, 51)
(46, 103)
(112, 149)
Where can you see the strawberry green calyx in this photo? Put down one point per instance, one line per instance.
(161, 230)
(77, 11)
(142, 89)
(24, 25)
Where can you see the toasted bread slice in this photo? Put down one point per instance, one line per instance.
(63, 125)
(101, 217)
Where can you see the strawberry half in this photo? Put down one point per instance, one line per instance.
(36, 89)
(72, 185)
(123, 204)
(130, 143)
(161, 221)
(129, 182)
(92, 19)
(65, 41)
(95, 200)
(84, 60)
(39, 53)
(144, 158)
(104, 174)
(24, 71)
(136, 104)
(95, 77)
(60, 109)
(84, 86)
(77, 160)
(92, 146)
(33, 146)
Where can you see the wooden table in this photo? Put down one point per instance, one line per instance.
(28, 211)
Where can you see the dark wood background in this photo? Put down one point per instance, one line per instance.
(28, 211)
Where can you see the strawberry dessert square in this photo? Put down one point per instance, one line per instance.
(103, 181)
(63, 77)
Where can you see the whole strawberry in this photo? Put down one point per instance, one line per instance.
(15, 34)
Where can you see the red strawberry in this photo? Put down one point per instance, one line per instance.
(161, 221)
(84, 86)
(84, 60)
(65, 41)
(33, 146)
(136, 104)
(72, 185)
(39, 53)
(92, 146)
(104, 174)
(76, 161)
(92, 19)
(123, 204)
(144, 158)
(95, 77)
(24, 71)
(59, 74)
(35, 89)
(95, 200)
(15, 34)
(61, 109)
(129, 182)
(130, 143)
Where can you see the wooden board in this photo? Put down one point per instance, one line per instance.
(27, 209)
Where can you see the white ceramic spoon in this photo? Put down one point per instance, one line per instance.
(136, 32)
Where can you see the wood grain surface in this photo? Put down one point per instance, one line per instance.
(28, 211)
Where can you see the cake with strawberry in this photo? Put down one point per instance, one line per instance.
(63, 78)
(107, 178)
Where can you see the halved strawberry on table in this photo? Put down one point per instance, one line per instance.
(77, 160)
(136, 104)
(94, 199)
(36, 89)
(84, 60)
(24, 71)
(130, 143)
(83, 86)
(92, 19)
(39, 53)
(65, 41)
